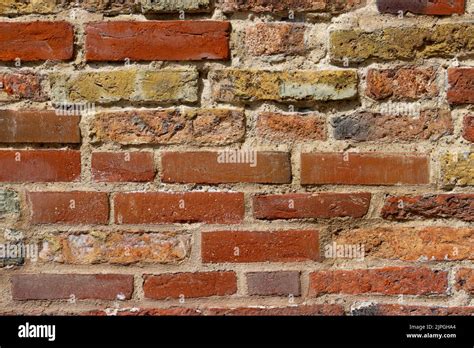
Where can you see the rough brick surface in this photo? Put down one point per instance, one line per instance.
(457, 206)
(249, 246)
(389, 281)
(437, 7)
(160, 86)
(306, 205)
(232, 85)
(468, 130)
(457, 169)
(126, 166)
(37, 126)
(412, 243)
(21, 85)
(189, 285)
(363, 169)
(157, 40)
(331, 6)
(71, 286)
(39, 165)
(461, 86)
(220, 167)
(116, 248)
(291, 127)
(402, 84)
(161, 207)
(368, 126)
(69, 207)
(401, 43)
(171, 126)
(35, 41)
(465, 280)
(237, 157)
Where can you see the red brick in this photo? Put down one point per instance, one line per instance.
(403, 310)
(73, 207)
(455, 206)
(364, 169)
(189, 285)
(461, 85)
(274, 283)
(189, 207)
(208, 168)
(465, 280)
(123, 166)
(157, 40)
(303, 310)
(307, 205)
(39, 165)
(387, 281)
(468, 131)
(402, 84)
(62, 286)
(291, 127)
(245, 246)
(275, 38)
(33, 41)
(38, 126)
(21, 85)
(427, 7)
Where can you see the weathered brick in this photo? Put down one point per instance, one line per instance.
(274, 283)
(121, 248)
(251, 246)
(387, 281)
(412, 243)
(233, 85)
(457, 169)
(189, 285)
(33, 41)
(468, 128)
(291, 127)
(214, 167)
(123, 166)
(109, 7)
(457, 206)
(427, 7)
(11, 7)
(407, 83)
(38, 126)
(404, 310)
(73, 207)
(40, 165)
(368, 126)
(162, 207)
(264, 39)
(307, 205)
(170, 126)
(21, 85)
(175, 6)
(465, 280)
(404, 43)
(160, 86)
(461, 85)
(64, 286)
(364, 169)
(330, 6)
(9, 202)
(157, 40)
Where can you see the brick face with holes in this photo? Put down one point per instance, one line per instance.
(261, 157)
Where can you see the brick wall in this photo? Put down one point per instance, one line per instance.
(238, 157)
